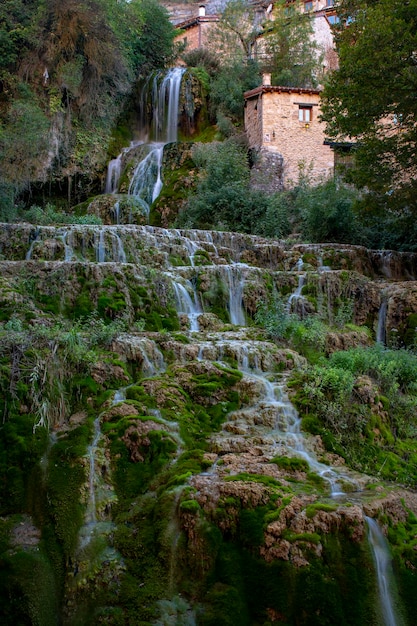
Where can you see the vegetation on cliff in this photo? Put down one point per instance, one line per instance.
(68, 69)
(370, 100)
(156, 475)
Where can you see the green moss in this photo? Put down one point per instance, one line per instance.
(20, 452)
(66, 475)
(255, 478)
(190, 506)
(292, 464)
(312, 509)
(292, 537)
(132, 475)
(28, 592)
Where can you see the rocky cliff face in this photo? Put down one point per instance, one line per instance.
(215, 263)
(173, 475)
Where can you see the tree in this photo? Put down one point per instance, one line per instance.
(154, 47)
(234, 37)
(224, 199)
(290, 51)
(370, 100)
(247, 44)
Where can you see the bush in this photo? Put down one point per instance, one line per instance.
(327, 213)
(224, 199)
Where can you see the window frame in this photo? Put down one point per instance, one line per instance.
(305, 113)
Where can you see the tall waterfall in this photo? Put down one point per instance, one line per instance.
(384, 572)
(158, 125)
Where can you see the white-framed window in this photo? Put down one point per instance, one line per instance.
(308, 6)
(329, 3)
(305, 113)
(333, 19)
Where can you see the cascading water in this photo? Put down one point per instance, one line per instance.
(90, 524)
(385, 576)
(275, 409)
(381, 331)
(296, 298)
(186, 305)
(160, 95)
(235, 279)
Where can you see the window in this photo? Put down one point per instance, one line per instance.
(333, 19)
(305, 113)
(329, 3)
(308, 6)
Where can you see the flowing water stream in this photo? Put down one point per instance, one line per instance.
(384, 572)
(160, 95)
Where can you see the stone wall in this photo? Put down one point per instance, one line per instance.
(195, 32)
(272, 124)
(267, 171)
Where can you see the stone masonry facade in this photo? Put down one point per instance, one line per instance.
(285, 121)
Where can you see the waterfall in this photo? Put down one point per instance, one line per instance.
(234, 276)
(382, 559)
(87, 531)
(100, 246)
(287, 431)
(34, 236)
(186, 305)
(160, 95)
(381, 332)
(296, 296)
(114, 170)
(146, 183)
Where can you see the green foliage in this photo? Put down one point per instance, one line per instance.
(28, 592)
(23, 136)
(203, 60)
(293, 57)
(50, 215)
(275, 223)
(362, 402)
(227, 89)
(223, 197)
(376, 49)
(20, 451)
(327, 213)
(79, 61)
(148, 35)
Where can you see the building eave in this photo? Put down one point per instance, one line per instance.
(279, 89)
(195, 21)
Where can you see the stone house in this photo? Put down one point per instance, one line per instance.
(195, 30)
(282, 126)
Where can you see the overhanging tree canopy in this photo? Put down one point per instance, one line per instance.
(372, 98)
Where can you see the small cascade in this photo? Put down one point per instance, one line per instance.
(116, 212)
(384, 572)
(68, 248)
(296, 299)
(320, 267)
(287, 431)
(146, 183)
(45, 457)
(34, 237)
(119, 254)
(381, 331)
(235, 279)
(199, 237)
(187, 305)
(104, 253)
(100, 246)
(89, 527)
(114, 169)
